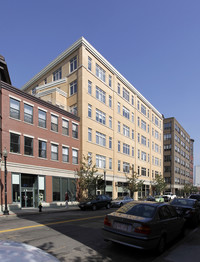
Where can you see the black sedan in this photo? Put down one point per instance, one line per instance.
(189, 208)
(143, 225)
(96, 202)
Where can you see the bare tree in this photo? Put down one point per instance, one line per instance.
(133, 184)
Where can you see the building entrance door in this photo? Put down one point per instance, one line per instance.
(27, 197)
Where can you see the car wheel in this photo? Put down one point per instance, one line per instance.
(121, 204)
(94, 208)
(161, 245)
(108, 206)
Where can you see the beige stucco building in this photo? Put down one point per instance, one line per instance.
(119, 127)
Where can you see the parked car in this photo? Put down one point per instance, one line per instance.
(120, 201)
(159, 199)
(195, 196)
(143, 225)
(170, 195)
(150, 198)
(189, 208)
(96, 203)
(10, 250)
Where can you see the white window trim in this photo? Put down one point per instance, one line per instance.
(54, 143)
(15, 98)
(75, 123)
(28, 136)
(27, 103)
(65, 146)
(54, 114)
(41, 139)
(14, 132)
(75, 148)
(42, 109)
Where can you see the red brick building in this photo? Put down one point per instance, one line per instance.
(43, 145)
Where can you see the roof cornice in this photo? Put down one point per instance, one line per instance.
(93, 51)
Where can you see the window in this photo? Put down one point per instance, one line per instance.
(143, 156)
(100, 117)
(126, 149)
(126, 112)
(28, 146)
(143, 125)
(100, 139)
(100, 95)
(110, 81)
(126, 167)
(73, 109)
(167, 125)
(28, 114)
(74, 130)
(42, 118)
(14, 143)
(133, 117)
(89, 63)
(110, 163)
(65, 127)
(133, 152)
(167, 136)
(138, 154)
(65, 154)
(73, 87)
(54, 123)
(110, 142)
(89, 134)
(132, 134)
(110, 101)
(89, 87)
(16, 187)
(57, 74)
(143, 140)
(156, 121)
(138, 105)
(100, 161)
(156, 148)
(118, 88)
(143, 109)
(45, 81)
(14, 108)
(89, 111)
(119, 165)
(125, 94)
(100, 73)
(143, 171)
(73, 64)
(110, 121)
(33, 91)
(42, 149)
(119, 127)
(119, 146)
(138, 121)
(132, 100)
(138, 137)
(54, 152)
(118, 107)
(74, 156)
(126, 131)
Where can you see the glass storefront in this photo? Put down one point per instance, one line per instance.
(28, 190)
(61, 185)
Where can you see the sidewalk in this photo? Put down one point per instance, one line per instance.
(188, 249)
(31, 211)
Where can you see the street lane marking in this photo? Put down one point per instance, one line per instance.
(48, 224)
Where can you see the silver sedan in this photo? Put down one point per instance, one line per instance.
(120, 201)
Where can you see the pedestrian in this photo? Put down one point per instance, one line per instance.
(66, 199)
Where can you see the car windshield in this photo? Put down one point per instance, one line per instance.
(185, 202)
(119, 198)
(141, 210)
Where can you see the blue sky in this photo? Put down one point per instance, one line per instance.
(155, 44)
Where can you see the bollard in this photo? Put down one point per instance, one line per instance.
(40, 207)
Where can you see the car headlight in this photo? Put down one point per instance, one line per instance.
(88, 203)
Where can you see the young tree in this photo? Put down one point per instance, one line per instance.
(133, 184)
(86, 178)
(187, 189)
(159, 184)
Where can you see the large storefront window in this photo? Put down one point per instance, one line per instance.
(62, 185)
(42, 195)
(143, 191)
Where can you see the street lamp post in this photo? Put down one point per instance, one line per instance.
(5, 154)
(104, 173)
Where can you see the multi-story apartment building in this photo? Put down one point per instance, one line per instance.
(192, 161)
(177, 153)
(119, 128)
(42, 143)
(197, 176)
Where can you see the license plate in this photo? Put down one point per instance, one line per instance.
(122, 226)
